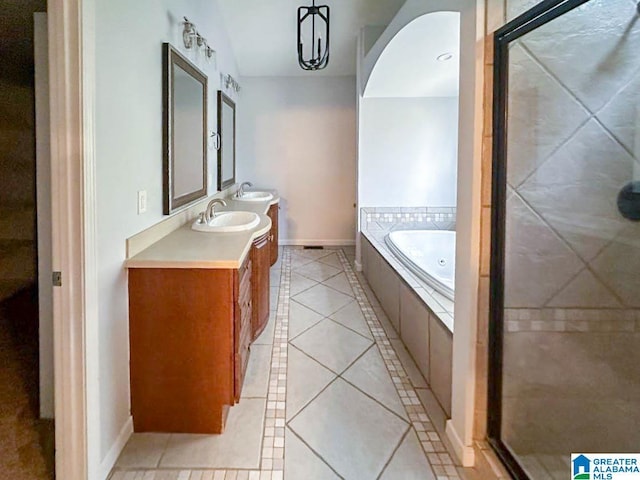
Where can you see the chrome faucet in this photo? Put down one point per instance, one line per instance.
(240, 192)
(209, 213)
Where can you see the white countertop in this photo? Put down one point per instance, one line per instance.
(187, 248)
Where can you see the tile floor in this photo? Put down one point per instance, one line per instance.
(326, 395)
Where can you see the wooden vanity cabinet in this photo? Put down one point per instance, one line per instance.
(261, 261)
(190, 331)
(273, 234)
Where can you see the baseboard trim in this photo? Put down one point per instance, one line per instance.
(317, 243)
(111, 458)
(465, 453)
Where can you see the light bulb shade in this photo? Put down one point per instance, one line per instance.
(314, 22)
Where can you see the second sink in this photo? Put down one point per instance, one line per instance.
(229, 222)
(255, 197)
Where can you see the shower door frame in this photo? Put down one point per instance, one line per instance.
(543, 13)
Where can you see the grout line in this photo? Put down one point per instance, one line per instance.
(393, 412)
(335, 289)
(320, 313)
(586, 264)
(349, 328)
(351, 363)
(291, 345)
(302, 291)
(310, 326)
(317, 454)
(393, 454)
(164, 450)
(288, 423)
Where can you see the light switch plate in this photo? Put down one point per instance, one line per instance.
(142, 201)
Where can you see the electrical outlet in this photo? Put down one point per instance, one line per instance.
(142, 201)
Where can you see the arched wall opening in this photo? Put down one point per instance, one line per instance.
(419, 150)
(408, 119)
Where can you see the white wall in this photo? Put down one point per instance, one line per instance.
(298, 135)
(128, 141)
(408, 152)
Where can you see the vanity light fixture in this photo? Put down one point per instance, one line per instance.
(189, 33)
(230, 83)
(444, 57)
(308, 16)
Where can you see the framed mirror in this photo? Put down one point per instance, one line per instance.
(184, 132)
(227, 150)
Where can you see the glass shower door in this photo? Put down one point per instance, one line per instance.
(565, 373)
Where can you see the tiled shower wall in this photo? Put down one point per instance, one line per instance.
(572, 144)
(574, 116)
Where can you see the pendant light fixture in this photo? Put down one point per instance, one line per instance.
(314, 22)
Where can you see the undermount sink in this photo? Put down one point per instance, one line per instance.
(229, 222)
(255, 197)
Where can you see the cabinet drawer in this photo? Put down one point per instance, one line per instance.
(242, 324)
(273, 234)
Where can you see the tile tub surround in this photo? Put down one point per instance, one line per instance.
(439, 305)
(386, 219)
(339, 402)
(412, 313)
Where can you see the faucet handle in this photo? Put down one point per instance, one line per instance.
(201, 218)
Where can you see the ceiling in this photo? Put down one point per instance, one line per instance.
(264, 33)
(408, 66)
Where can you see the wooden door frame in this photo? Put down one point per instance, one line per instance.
(75, 311)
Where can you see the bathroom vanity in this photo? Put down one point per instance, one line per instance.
(196, 302)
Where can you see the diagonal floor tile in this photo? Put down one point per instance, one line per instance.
(301, 318)
(266, 337)
(332, 260)
(274, 277)
(237, 447)
(351, 432)
(339, 282)
(305, 379)
(370, 375)
(299, 260)
(143, 450)
(299, 284)
(332, 345)
(351, 317)
(256, 380)
(409, 462)
(323, 300)
(301, 463)
(317, 271)
(312, 253)
(273, 298)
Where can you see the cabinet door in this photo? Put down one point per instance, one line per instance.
(181, 334)
(273, 234)
(260, 259)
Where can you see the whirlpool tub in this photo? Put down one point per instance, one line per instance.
(429, 254)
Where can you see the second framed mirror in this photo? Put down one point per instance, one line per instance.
(227, 150)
